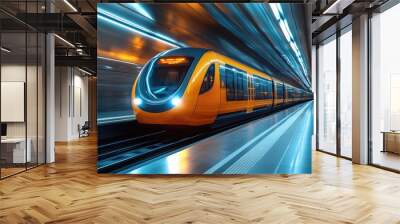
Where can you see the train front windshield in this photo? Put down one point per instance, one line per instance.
(167, 75)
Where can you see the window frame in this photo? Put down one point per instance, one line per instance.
(206, 83)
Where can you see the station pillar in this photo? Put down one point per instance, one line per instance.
(360, 89)
(50, 92)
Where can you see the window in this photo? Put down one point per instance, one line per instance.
(256, 87)
(208, 80)
(346, 94)
(327, 96)
(279, 91)
(290, 92)
(245, 87)
(385, 88)
(235, 82)
(22, 65)
(269, 93)
(230, 84)
(262, 88)
(167, 76)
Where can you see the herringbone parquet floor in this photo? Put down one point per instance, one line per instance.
(70, 191)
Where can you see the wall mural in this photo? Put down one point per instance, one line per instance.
(213, 88)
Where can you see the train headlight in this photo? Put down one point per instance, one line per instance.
(176, 101)
(137, 101)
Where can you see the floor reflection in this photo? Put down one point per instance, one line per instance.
(279, 144)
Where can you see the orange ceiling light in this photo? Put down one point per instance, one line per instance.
(172, 61)
(138, 42)
(119, 56)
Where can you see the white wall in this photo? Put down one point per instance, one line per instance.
(71, 102)
(16, 73)
(33, 127)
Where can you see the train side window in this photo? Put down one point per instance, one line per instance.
(222, 76)
(279, 91)
(235, 86)
(266, 89)
(239, 93)
(241, 85)
(208, 80)
(236, 82)
(265, 93)
(262, 84)
(257, 87)
(262, 88)
(244, 83)
(245, 87)
(230, 85)
(269, 89)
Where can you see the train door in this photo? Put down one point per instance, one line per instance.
(208, 99)
(224, 106)
(273, 91)
(250, 93)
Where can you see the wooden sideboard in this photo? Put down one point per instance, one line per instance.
(391, 141)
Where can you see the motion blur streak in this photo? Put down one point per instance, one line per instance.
(116, 60)
(135, 29)
(274, 38)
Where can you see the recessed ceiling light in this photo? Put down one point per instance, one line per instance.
(64, 40)
(5, 50)
(116, 60)
(70, 5)
(84, 71)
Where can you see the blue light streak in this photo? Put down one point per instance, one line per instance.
(128, 25)
(283, 24)
(116, 60)
(140, 9)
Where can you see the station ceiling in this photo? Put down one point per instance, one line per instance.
(250, 33)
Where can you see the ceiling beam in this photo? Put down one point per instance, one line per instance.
(78, 61)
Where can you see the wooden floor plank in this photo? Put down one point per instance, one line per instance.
(70, 191)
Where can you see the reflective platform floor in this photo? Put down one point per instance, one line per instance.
(70, 191)
(276, 144)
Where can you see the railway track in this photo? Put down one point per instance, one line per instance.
(132, 152)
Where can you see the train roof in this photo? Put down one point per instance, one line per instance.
(198, 52)
(190, 51)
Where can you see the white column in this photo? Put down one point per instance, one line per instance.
(50, 98)
(63, 81)
(360, 90)
(50, 92)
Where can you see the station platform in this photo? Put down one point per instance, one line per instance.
(277, 144)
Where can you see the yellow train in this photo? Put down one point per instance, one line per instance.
(196, 87)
